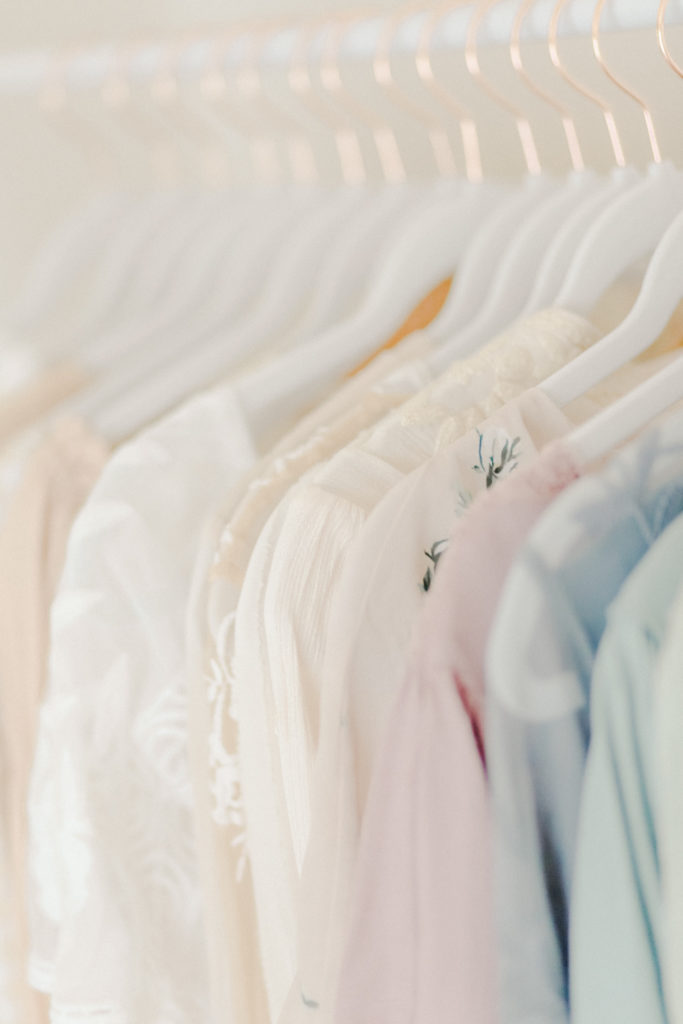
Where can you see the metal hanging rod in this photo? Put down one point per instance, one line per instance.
(26, 73)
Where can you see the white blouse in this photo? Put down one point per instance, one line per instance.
(117, 919)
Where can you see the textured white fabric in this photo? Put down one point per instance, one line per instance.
(236, 982)
(117, 929)
(283, 616)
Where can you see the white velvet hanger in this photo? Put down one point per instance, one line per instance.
(516, 269)
(630, 228)
(629, 415)
(145, 242)
(480, 261)
(354, 257)
(427, 254)
(273, 249)
(236, 247)
(134, 276)
(555, 265)
(659, 296)
(624, 233)
(61, 259)
(562, 250)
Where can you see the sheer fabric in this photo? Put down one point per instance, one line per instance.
(283, 617)
(421, 938)
(236, 979)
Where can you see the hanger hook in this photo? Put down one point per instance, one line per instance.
(663, 44)
(610, 122)
(54, 99)
(229, 124)
(466, 123)
(568, 124)
(383, 135)
(249, 85)
(647, 115)
(524, 131)
(165, 85)
(347, 141)
(442, 151)
(302, 158)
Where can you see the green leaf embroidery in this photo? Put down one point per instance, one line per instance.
(434, 554)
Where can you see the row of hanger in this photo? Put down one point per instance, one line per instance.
(184, 286)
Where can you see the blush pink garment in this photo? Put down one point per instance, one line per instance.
(421, 949)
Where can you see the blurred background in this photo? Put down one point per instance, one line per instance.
(50, 163)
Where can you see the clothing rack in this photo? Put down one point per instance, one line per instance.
(26, 73)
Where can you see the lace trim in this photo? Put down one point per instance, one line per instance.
(236, 544)
(224, 771)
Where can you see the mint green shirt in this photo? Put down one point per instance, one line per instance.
(615, 918)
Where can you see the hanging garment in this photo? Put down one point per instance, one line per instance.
(415, 519)
(550, 620)
(667, 770)
(615, 911)
(58, 478)
(133, 549)
(38, 395)
(113, 864)
(232, 931)
(283, 617)
(421, 938)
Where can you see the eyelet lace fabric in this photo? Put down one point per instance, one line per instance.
(117, 933)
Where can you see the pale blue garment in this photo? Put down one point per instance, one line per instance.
(614, 964)
(550, 620)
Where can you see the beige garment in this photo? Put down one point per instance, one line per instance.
(38, 396)
(232, 939)
(57, 479)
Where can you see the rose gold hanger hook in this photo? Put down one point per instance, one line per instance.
(647, 115)
(191, 121)
(224, 125)
(442, 151)
(383, 135)
(575, 154)
(524, 131)
(468, 128)
(214, 86)
(663, 44)
(610, 123)
(347, 141)
(165, 147)
(302, 161)
(54, 100)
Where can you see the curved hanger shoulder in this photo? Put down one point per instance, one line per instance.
(660, 294)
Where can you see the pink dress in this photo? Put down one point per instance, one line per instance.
(421, 944)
